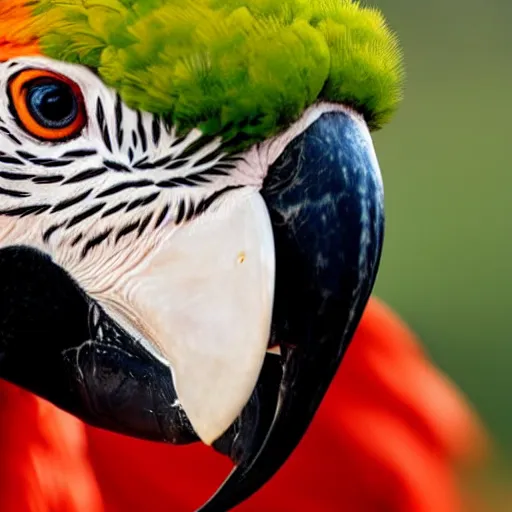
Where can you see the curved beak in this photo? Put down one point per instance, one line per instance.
(325, 199)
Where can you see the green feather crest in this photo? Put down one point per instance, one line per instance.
(242, 69)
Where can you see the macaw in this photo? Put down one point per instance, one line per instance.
(190, 229)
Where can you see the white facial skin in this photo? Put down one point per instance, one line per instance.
(173, 240)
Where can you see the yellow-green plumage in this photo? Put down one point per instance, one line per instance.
(242, 69)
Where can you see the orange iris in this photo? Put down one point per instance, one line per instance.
(49, 106)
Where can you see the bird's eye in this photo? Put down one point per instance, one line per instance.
(47, 105)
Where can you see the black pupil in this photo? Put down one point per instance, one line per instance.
(52, 104)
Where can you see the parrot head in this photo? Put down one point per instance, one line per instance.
(191, 213)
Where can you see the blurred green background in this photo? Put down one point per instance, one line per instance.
(447, 263)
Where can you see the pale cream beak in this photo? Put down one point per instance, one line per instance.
(203, 299)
